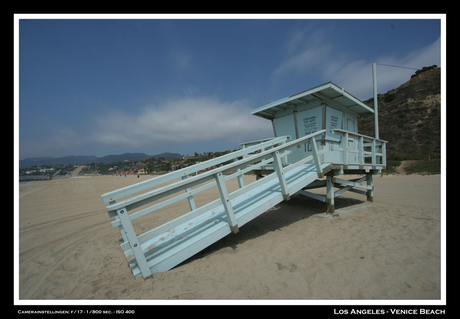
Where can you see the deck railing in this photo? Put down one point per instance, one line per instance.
(376, 154)
(245, 160)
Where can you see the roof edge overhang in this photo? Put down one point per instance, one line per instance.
(359, 107)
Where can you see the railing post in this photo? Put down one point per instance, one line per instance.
(279, 171)
(316, 157)
(191, 201)
(361, 150)
(374, 162)
(120, 227)
(133, 241)
(240, 176)
(384, 154)
(122, 231)
(226, 203)
(345, 148)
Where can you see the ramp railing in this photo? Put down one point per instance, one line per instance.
(233, 165)
(183, 173)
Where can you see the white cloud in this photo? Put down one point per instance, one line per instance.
(182, 120)
(388, 78)
(306, 51)
(312, 53)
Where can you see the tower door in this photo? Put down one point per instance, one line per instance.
(350, 126)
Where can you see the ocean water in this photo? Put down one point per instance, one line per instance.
(28, 179)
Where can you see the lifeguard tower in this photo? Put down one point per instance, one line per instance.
(330, 108)
(316, 140)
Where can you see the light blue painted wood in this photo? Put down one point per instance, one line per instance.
(353, 183)
(177, 240)
(132, 239)
(349, 185)
(330, 194)
(170, 244)
(226, 203)
(315, 156)
(337, 97)
(280, 173)
(320, 135)
(191, 200)
(189, 237)
(133, 189)
(319, 197)
(378, 159)
(370, 187)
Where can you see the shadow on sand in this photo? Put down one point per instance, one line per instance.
(282, 215)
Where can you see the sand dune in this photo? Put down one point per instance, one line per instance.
(388, 250)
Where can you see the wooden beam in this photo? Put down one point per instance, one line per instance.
(279, 171)
(314, 196)
(316, 184)
(353, 183)
(134, 242)
(226, 203)
(370, 192)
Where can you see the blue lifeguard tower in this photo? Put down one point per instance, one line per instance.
(316, 140)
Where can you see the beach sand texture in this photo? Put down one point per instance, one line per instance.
(388, 250)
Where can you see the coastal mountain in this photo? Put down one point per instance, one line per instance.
(409, 118)
(88, 159)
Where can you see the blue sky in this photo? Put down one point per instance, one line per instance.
(110, 86)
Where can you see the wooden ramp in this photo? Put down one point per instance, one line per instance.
(168, 245)
(171, 244)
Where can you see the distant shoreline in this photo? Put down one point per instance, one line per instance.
(31, 178)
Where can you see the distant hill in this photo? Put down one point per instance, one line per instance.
(167, 155)
(122, 157)
(88, 159)
(72, 159)
(409, 118)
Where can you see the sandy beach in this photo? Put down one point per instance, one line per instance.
(389, 249)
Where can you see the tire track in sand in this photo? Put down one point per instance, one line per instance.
(57, 250)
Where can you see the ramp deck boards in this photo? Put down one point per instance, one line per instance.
(172, 247)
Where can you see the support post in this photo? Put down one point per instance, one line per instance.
(370, 192)
(133, 242)
(279, 171)
(330, 204)
(226, 203)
